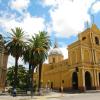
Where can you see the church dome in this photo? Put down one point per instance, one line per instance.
(55, 50)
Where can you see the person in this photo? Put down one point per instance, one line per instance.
(62, 90)
(14, 92)
(46, 86)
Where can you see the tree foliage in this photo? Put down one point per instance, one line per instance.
(15, 46)
(22, 77)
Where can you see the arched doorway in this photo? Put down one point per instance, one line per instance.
(99, 79)
(88, 84)
(75, 81)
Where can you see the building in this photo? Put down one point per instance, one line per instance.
(81, 71)
(3, 64)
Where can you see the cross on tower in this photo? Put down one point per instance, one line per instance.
(55, 44)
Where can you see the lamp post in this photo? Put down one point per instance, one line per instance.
(61, 82)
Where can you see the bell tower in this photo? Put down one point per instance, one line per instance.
(87, 48)
(3, 63)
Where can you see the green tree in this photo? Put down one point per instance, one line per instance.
(27, 59)
(15, 47)
(10, 76)
(41, 46)
(37, 52)
(30, 57)
(22, 77)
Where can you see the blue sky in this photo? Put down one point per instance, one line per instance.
(63, 19)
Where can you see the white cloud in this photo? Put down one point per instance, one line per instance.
(19, 5)
(49, 28)
(68, 18)
(65, 52)
(49, 2)
(29, 24)
(96, 7)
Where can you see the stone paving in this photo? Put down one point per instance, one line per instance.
(57, 96)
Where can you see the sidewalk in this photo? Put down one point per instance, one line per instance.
(56, 96)
(60, 96)
(51, 96)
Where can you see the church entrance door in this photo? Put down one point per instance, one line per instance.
(88, 84)
(75, 81)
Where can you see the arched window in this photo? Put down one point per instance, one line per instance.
(97, 40)
(62, 81)
(53, 60)
(83, 38)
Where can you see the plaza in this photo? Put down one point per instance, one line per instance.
(91, 95)
(49, 49)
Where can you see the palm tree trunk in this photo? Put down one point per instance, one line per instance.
(15, 72)
(39, 81)
(29, 77)
(32, 80)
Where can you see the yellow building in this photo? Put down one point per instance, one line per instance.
(81, 71)
(3, 64)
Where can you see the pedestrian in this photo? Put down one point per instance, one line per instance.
(14, 92)
(61, 90)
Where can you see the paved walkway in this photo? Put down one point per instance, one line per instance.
(50, 96)
(91, 95)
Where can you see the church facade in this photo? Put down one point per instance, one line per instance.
(81, 71)
(3, 64)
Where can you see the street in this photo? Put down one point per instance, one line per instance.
(57, 96)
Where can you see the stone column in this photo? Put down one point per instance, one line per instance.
(97, 77)
(94, 79)
(82, 80)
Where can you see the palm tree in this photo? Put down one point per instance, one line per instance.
(42, 44)
(15, 48)
(35, 43)
(27, 59)
(29, 56)
(37, 53)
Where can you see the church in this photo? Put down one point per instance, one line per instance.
(3, 64)
(81, 71)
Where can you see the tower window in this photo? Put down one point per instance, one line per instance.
(62, 81)
(83, 38)
(97, 40)
(53, 60)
